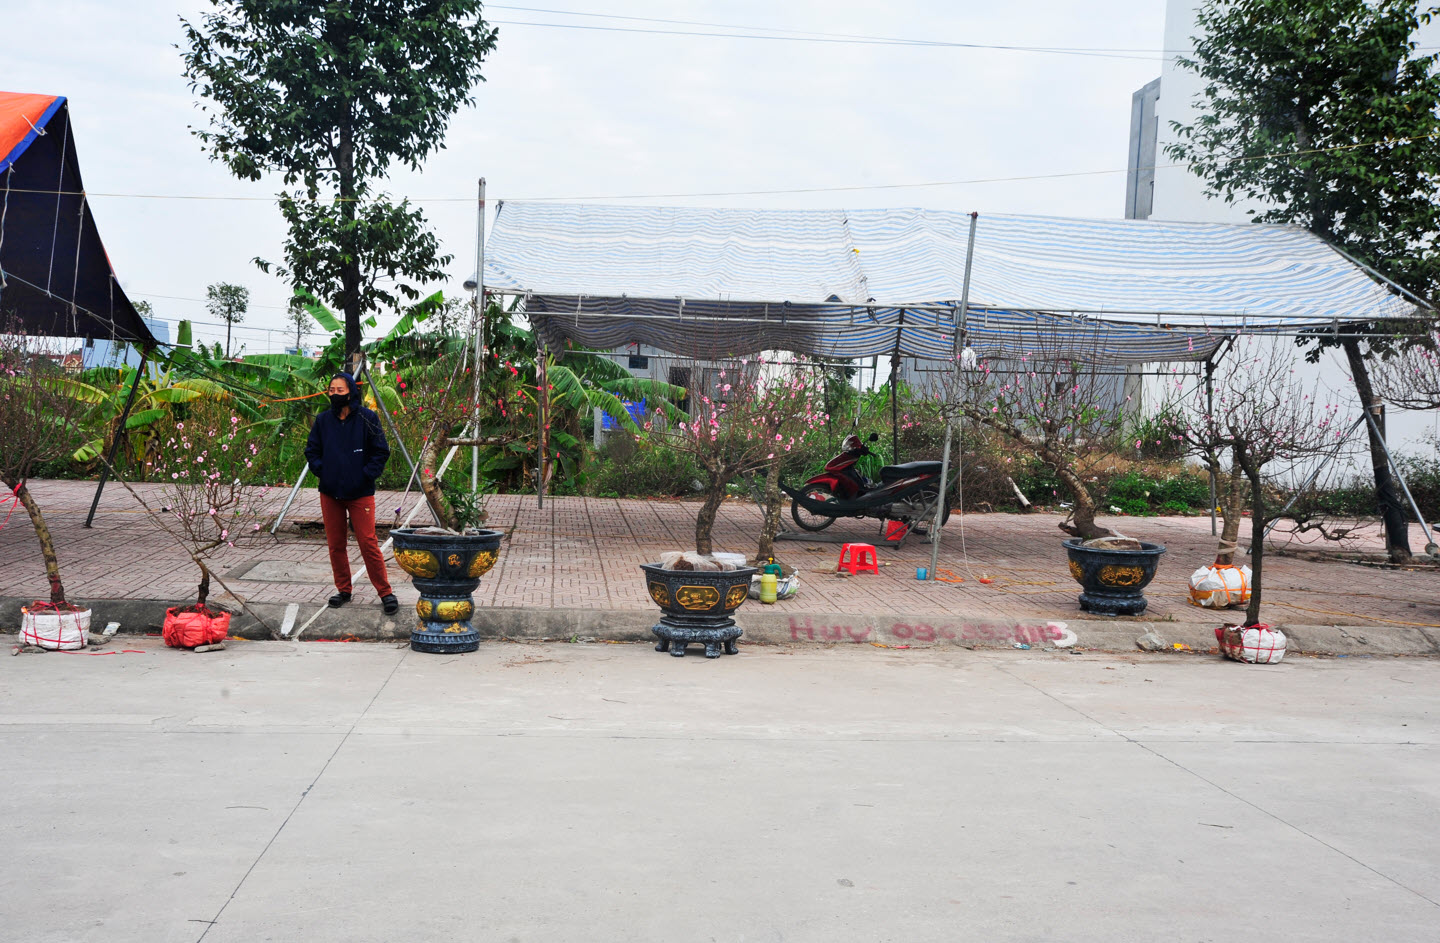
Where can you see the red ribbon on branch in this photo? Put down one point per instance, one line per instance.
(13, 501)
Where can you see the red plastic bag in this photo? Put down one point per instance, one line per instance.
(191, 628)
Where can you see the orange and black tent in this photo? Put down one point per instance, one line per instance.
(55, 277)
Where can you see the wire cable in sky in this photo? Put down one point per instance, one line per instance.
(829, 40)
(784, 33)
(974, 181)
(1106, 52)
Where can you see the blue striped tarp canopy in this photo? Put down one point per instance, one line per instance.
(839, 283)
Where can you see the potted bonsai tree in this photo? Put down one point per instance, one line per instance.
(1056, 403)
(1268, 424)
(743, 419)
(445, 562)
(38, 424)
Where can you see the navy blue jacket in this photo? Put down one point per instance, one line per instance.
(347, 455)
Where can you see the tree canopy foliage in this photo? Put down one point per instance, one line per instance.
(330, 95)
(1325, 113)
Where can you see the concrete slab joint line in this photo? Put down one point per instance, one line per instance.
(303, 795)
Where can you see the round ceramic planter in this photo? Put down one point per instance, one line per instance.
(696, 607)
(1113, 580)
(445, 568)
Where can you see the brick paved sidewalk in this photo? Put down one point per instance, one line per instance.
(582, 553)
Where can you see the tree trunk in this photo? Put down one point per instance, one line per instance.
(1082, 519)
(1390, 502)
(430, 486)
(204, 591)
(1232, 504)
(350, 257)
(1257, 545)
(705, 520)
(773, 506)
(47, 543)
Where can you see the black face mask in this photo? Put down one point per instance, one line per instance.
(339, 401)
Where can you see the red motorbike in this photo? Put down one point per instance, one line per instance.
(906, 492)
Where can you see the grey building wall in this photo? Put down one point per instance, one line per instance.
(1144, 135)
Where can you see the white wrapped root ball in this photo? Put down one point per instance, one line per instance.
(1219, 586)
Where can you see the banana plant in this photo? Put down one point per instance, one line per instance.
(105, 392)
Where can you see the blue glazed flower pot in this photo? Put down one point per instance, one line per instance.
(445, 568)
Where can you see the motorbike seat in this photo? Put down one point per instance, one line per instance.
(908, 470)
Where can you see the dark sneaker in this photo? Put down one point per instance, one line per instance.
(392, 605)
(338, 600)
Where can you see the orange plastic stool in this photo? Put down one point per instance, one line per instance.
(858, 558)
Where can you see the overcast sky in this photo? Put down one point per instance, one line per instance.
(601, 113)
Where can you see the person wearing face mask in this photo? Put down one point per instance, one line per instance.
(347, 451)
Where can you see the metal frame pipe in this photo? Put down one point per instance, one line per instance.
(119, 434)
(960, 326)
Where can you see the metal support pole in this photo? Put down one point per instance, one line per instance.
(390, 426)
(894, 387)
(119, 433)
(1430, 547)
(542, 410)
(285, 508)
(479, 310)
(960, 325)
(1210, 412)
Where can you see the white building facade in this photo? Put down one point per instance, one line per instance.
(1157, 188)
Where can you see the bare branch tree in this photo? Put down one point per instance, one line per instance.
(1056, 401)
(212, 489)
(1269, 425)
(38, 423)
(1411, 378)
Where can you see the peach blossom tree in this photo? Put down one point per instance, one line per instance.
(754, 413)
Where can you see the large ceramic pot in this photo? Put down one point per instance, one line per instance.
(1113, 580)
(697, 607)
(445, 568)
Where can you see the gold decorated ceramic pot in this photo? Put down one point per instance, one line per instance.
(736, 596)
(1113, 580)
(697, 607)
(446, 569)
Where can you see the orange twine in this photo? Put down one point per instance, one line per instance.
(291, 399)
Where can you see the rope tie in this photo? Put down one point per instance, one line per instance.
(13, 501)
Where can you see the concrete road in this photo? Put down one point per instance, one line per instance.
(334, 792)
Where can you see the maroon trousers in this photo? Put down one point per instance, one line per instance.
(361, 512)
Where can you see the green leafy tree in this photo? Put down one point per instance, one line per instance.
(228, 303)
(330, 95)
(299, 319)
(1323, 113)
